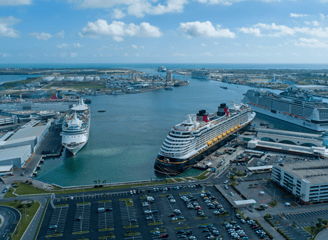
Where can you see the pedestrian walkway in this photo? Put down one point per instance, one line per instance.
(271, 230)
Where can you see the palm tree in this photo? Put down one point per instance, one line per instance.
(104, 182)
(98, 183)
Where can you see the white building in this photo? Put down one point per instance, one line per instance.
(306, 179)
(16, 156)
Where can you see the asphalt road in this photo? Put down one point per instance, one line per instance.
(10, 217)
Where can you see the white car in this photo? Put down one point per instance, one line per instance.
(226, 181)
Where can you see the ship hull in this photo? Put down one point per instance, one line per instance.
(291, 119)
(76, 149)
(178, 166)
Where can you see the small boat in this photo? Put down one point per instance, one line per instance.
(168, 88)
(223, 87)
(101, 110)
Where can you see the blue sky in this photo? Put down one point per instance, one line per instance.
(170, 31)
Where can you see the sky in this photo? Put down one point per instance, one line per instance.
(169, 31)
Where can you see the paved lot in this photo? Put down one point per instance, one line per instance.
(75, 218)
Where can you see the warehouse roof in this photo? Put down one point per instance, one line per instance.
(14, 152)
(6, 168)
(10, 141)
(28, 132)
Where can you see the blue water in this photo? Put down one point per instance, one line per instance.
(169, 65)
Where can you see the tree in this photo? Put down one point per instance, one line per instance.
(325, 222)
(320, 219)
(318, 225)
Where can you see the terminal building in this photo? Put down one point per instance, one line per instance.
(306, 179)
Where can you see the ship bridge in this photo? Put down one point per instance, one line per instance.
(293, 138)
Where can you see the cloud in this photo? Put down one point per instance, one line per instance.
(229, 2)
(73, 54)
(64, 45)
(203, 44)
(118, 14)
(313, 43)
(77, 45)
(117, 30)
(63, 55)
(273, 30)
(41, 36)
(206, 54)
(205, 29)
(6, 24)
(60, 34)
(297, 15)
(14, 2)
(178, 55)
(134, 46)
(136, 8)
(314, 23)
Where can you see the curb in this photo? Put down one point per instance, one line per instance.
(32, 219)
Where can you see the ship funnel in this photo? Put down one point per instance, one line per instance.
(222, 109)
(203, 116)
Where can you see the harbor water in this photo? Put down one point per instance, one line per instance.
(125, 140)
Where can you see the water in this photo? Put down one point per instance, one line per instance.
(168, 65)
(14, 78)
(124, 140)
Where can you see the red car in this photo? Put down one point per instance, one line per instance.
(172, 215)
(164, 235)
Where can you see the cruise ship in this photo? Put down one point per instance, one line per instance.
(76, 125)
(161, 69)
(200, 135)
(200, 74)
(293, 105)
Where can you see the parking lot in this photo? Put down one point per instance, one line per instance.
(151, 215)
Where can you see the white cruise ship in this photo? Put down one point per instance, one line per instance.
(200, 135)
(293, 105)
(201, 74)
(76, 125)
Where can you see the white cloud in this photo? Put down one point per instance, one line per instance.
(41, 36)
(250, 30)
(126, 54)
(205, 29)
(73, 54)
(60, 34)
(313, 43)
(118, 14)
(63, 55)
(118, 30)
(142, 46)
(297, 15)
(64, 45)
(134, 46)
(322, 17)
(137, 54)
(216, 43)
(77, 45)
(206, 54)
(273, 30)
(6, 24)
(136, 8)
(203, 44)
(14, 2)
(314, 23)
(230, 2)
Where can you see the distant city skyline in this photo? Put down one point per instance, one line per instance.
(171, 31)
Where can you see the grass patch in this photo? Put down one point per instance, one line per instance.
(10, 193)
(128, 201)
(161, 230)
(144, 197)
(131, 226)
(23, 189)
(105, 237)
(201, 176)
(80, 232)
(54, 235)
(204, 224)
(31, 209)
(202, 191)
(315, 231)
(83, 203)
(273, 203)
(132, 234)
(180, 228)
(155, 223)
(105, 229)
(164, 195)
(62, 205)
(179, 220)
(103, 201)
(222, 215)
(184, 193)
(199, 218)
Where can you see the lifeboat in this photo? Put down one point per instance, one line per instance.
(224, 134)
(209, 143)
(231, 129)
(228, 131)
(303, 118)
(285, 112)
(238, 125)
(219, 136)
(291, 114)
(297, 116)
(215, 139)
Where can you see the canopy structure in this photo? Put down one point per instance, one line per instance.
(260, 168)
(245, 202)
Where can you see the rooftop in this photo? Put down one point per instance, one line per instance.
(28, 132)
(314, 171)
(14, 152)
